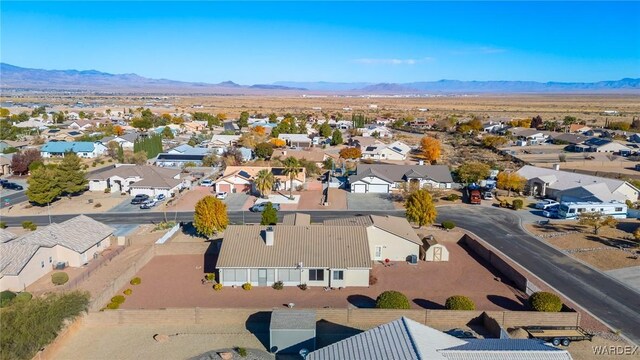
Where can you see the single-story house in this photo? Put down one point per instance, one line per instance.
(528, 136)
(316, 255)
(5, 164)
(25, 259)
(189, 150)
(406, 339)
(394, 151)
(635, 138)
(237, 179)
(578, 128)
(137, 179)
(605, 145)
(569, 186)
(493, 127)
(85, 125)
(178, 160)
(126, 140)
(361, 142)
(220, 143)
(83, 149)
(376, 131)
(422, 124)
(5, 144)
(314, 155)
(32, 123)
(296, 140)
(383, 178)
(389, 237)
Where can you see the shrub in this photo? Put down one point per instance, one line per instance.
(29, 225)
(372, 279)
(128, 292)
(107, 190)
(303, 286)
(97, 205)
(59, 278)
(135, 281)
(23, 296)
(241, 351)
(517, 204)
(448, 224)
(452, 197)
(545, 302)
(459, 302)
(246, 286)
(113, 306)
(3, 225)
(278, 285)
(217, 287)
(392, 300)
(118, 299)
(210, 276)
(6, 297)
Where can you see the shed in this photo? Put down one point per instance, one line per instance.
(433, 251)
(292, 330)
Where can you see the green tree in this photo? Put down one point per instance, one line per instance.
(243, 120)
(210, 216)
(4, 112)
(43, 187)
(269, 215)
(291, 169)
(263, 150)
(210, 160)
(142, 123)
(59, 117)
(472, 171)
(70, 176)
(336, 138)
(596, 220)
(392, 299)
(264, 182)
(420, 208)
(167, 133)
(327, 164)
(325, 129)
(273, 118)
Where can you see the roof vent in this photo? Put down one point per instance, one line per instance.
(268, 236)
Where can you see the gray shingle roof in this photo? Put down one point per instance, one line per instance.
(152, 176)
(6, 235)
(392, 224)
(396, 173)
(293, 319)
(563, 180)
(339, 247)
(78, 234)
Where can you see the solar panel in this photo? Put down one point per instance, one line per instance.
(396, 149)
(371, 148)
(244, 174)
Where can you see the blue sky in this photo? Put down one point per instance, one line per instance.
(336, 41)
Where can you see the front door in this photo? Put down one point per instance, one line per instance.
(262, 277)
(437, 254)
(377, 255)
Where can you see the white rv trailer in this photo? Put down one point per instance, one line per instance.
(571, 210)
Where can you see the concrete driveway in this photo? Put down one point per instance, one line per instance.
(235, 202)
(629, 276)
(600, 294)
(368, 202)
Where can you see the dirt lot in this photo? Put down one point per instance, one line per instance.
(74, 205)
(601, 251)
(175, 281)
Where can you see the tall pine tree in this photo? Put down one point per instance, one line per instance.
(43, 187)
(70, 176)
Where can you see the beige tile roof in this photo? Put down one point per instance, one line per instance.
(392, 224)
(152, 176)
(78, 234)
(339, 247)
(314, 155)
(299, 219)
(278, 172)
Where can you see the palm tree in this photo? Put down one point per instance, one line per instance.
(291, 169)
(264, 182)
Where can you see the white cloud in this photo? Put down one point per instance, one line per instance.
(374, 61)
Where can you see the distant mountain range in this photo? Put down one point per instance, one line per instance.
(15, 77)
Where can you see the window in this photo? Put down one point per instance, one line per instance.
(289, 275)
(41, 263)
(580, 210)
(572, 211)
(238, 275)
(619, 209)
(338, 275)
(50, 260)
(316, 274)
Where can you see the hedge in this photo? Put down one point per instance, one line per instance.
(118, 299)
(392, 299)
(59, 278)
(459, 302)
(128, 292)
(448, 224)
(23, 296)
(135, 281)
(545, 302)
(6, 297)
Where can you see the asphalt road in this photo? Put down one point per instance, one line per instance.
(604, 297)
(600, 294)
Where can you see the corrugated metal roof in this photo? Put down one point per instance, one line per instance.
(438, 173)
(293, 319)
(298, 219)
(392, 224)
(339, 247)
(504, 345)
(506, 355)
(63, 147)
(6, 235)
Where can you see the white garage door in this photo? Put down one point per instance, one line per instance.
(379, 188)
(358, 188)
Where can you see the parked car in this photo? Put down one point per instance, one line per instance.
(487, 195)
(139, 199)
(206, 182)
(3, 181)
(148, 204)
(12, 186)
(160, 197)
(221, 195)
(461, 334)
(546, 203)
(260, 207)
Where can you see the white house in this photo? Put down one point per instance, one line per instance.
(138, 179)
(83, 149)
(220, 143)
(237, 179)
(376, 131)
(127, 141)
(528, 136)
(383, 178)
(25, 259)
(296, 140)
(605, 145)
(394, 151)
